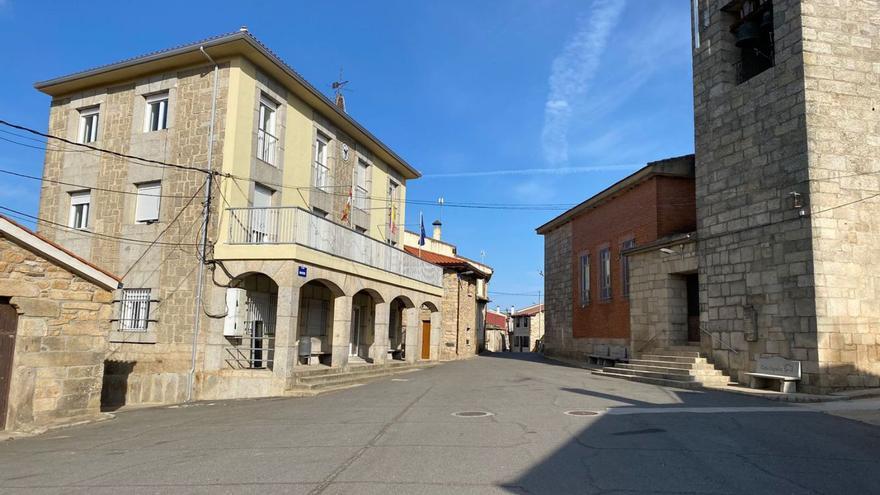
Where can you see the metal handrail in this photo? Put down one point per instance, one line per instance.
(712, 335)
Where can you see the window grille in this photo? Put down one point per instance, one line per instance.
(605, 274)
(135, 310)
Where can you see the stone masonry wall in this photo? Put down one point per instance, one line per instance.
(558, 340)
(458, 315)
(755, 250)
(842, 79)
(61, 340)
(152, 366)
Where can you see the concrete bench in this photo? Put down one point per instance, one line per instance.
(609, 359)
(785, 371)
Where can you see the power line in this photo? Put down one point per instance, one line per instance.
(94, 188)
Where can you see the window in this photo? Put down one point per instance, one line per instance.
(261, 218)
(316, 317)
(393, 213)
(360, 190)
(321, 171)
(88, 125)
(79, 209)
(266, 140)
(752, 28)
(585, 279)
(135, 310)
(156, 114)
(605, 274)
(624, 265)
(147, 208)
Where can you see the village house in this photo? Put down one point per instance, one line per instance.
(527, 329)
(497, 327)
(304, 271)
(55, 313)
(588, 283)
(465, 295)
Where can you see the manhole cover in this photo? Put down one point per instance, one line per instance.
(581, 413)
(471, 414)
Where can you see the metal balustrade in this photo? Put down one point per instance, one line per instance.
(266, 145)
(292, 225)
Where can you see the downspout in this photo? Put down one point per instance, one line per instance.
(204, 244)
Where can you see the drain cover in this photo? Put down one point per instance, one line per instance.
(471, 414)
(581, 413)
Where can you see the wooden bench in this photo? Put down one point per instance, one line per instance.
(787, 372)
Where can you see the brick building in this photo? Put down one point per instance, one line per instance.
(55, 311)
(586, 277)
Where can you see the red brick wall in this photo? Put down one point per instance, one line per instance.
(655, 208)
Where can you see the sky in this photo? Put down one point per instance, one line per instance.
(530, 103)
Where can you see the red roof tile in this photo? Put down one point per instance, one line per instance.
(496, 319)
(437, 259)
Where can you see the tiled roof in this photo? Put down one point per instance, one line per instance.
(496, 319)
(434, 258)
(530, 310)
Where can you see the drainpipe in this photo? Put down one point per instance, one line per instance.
(200, 282)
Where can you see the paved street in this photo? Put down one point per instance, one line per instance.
(398, 435)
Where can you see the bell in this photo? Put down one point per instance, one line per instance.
(748, 34)
(767, 21)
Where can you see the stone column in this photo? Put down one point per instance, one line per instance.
(341, 337)
(436, 322)
(379, 351)
(413, 334)
(286, 317)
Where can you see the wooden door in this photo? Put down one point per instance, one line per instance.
(8, 326)
(426, 340)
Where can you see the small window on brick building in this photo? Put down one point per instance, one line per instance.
(585, 279)
(135, 310)
(605, 274)
(752, 29)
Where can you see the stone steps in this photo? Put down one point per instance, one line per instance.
(310, 384)
(679, 366)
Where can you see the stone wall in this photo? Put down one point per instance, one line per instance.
(458, 312)
(842, 80)
(658, 297)
(558, 292)
(152, 366)
(61, 340)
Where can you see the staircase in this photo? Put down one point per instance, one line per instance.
(312, 382)
(677, 366)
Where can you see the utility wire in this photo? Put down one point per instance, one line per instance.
(94, 188)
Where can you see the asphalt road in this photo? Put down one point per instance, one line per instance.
(398, 435)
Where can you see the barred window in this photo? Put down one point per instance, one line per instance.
(624, 265)
(135, 310)
(585, 279)
(605, 274)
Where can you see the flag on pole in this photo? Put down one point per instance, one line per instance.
(346, 210)
(422, 231)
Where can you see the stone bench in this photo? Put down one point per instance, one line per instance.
(609, 359)
(785, 371)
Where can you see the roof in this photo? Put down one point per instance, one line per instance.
(446, 261)
(530, 310)
(240, 42)
(670, 240)
(47, 249)
(680, 166)
(496, 319)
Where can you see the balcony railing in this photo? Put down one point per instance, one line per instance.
(291, 225)
(266, 145)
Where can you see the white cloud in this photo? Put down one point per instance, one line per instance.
(571, 71)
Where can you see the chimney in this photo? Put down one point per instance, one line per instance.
(497, 309)
(438, 230)
(340, 101)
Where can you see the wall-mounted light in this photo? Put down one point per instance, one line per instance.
(796, 200)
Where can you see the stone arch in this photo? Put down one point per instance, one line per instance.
(250, 336)
(429, 330)
(314, 333)
(363, 342)
(334, 288)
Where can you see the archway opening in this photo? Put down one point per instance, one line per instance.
(397, 327)
(315, 323)
(426, 311)
(253, 301)
(363, 326)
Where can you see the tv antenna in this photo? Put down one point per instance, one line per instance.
(339, 84)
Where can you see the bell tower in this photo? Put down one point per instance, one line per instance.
(786, 132)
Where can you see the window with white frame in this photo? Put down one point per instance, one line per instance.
(267, 142)
(585, 279)
(79, 209)
(134, 312)
(88, 124)
(360, 191)
(147, 208)
(321, 175)
(624, 265)
(605, 273)
(156, 114)
(261, 219)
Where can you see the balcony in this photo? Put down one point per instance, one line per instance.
(293, 225)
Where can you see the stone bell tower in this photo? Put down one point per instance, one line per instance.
(786, 96)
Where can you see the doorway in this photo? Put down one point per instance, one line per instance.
(426, 340)
(693, 307)
(8, 328)
(356, 324)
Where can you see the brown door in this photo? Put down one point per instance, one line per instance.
(8, 325)
(426, 340)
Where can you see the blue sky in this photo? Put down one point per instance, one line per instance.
(558, 99)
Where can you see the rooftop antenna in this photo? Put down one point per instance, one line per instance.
(482, 256)
(441, 201)
(338, 86)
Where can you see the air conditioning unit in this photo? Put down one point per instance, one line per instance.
(236, 312)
